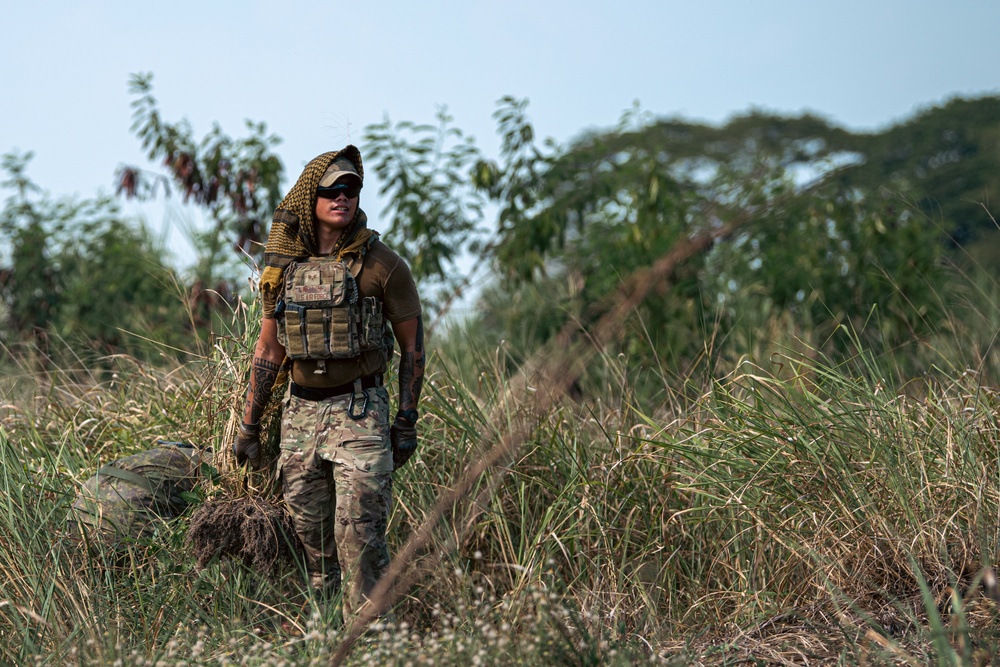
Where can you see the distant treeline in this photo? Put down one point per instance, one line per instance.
(556, 228)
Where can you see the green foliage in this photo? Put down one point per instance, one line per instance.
(944, 158)
(832, 241)
(825, 255)
(831, 259)
(77, 271)
(433, 210)
(947, 157)
(508, 184)
(29, 272)
(237, 181)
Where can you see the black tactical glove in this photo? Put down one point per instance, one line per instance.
(403, 435)
(247, 445)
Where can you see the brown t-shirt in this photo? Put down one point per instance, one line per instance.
(385, 276)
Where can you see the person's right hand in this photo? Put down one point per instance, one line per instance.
(246, 447)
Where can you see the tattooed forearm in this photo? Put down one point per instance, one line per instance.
(406, 371)
(262, 378)
(418, 362)
(411, 371)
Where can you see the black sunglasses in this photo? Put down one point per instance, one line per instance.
(337, 189)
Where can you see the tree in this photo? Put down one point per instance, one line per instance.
(236, 181)
(78, 271)
(946, 157)
(28, 270)
(434, 210)
(574, 221)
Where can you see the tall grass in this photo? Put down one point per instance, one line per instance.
(790, 508)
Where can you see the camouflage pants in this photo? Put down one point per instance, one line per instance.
(336, 477)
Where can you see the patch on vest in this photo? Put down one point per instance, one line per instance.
(309, 293)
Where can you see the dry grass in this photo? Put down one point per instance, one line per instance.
(774, 519)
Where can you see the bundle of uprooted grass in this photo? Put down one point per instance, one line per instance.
(254, 530)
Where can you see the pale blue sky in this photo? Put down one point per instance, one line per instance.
(319, 72)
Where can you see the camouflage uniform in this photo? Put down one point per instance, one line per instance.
(337, 481)
(336, 471)
(129, 498)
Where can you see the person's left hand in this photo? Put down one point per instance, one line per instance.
(403, 436)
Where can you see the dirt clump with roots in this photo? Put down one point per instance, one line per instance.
(256, 531)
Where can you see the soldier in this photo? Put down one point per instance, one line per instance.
(330, 288)
(127, 499)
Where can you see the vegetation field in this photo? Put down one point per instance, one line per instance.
(728, 395)
(791, 509)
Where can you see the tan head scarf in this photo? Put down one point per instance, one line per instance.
(293, 228)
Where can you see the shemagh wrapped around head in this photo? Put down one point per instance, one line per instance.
(293, 228)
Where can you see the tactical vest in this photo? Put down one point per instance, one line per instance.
(322, 316)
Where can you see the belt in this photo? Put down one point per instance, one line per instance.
(322, 393)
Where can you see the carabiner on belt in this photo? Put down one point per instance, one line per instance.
(364, 406)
